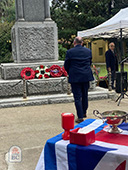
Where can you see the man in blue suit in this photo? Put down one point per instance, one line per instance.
(111, 62)
(77, 64)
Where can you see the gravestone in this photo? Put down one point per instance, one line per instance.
(34, 35)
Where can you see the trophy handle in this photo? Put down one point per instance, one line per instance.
(97, 114)
(125, 118)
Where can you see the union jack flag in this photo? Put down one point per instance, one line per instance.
(108, 152)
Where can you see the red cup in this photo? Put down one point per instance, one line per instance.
(67, 124)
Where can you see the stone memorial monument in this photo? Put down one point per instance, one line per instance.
(34, 43)
(34, 38)
(34, 35)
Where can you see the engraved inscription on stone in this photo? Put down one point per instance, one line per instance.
(36, 43)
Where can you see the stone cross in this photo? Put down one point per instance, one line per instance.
(32, 10)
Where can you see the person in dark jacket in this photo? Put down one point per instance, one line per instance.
(111, 62)
(77, 64)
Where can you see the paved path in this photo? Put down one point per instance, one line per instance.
(29, 128)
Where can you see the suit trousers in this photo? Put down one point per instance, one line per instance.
(112, 78)
(80, 93)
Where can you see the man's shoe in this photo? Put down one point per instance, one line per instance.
(79, 120)
(85, 115)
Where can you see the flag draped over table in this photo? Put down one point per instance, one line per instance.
(109, 152)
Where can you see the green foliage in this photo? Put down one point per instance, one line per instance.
(126, 67)
(76, 15)
(103, 71)
(5, 42)
(10, 14)
(62, 52)
(7, 17)
(119, 4)
(72, 16)
(7, 10)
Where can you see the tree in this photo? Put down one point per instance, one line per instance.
(72, 16)
(118, 4)
(5, 42)
(7, 10)
(76, 15)
(7, 18)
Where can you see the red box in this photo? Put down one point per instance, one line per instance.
(82, 139)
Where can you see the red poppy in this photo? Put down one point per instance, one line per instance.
(36, 71)
(47, 70)
(46, 76)
(56, 71)
(40, 77)
(28, 73)
(41, 66)
(64, 72)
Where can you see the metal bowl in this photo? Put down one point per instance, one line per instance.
(113, 118)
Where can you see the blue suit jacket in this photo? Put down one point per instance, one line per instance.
(77, 64)
(111, 60)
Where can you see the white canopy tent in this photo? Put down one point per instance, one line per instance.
(112, 28)
(116, 27)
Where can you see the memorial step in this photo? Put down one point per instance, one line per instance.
(97, 94)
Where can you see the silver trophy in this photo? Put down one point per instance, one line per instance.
(112, 118)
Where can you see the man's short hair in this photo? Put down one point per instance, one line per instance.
(78, 40)
(111, 44)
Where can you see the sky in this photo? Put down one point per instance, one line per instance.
(50, 2)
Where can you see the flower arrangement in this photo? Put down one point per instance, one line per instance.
(56, 71)
(43, 72)
(28, 73)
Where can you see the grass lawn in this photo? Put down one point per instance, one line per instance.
(103, 71)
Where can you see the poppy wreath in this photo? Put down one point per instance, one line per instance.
(42, 72)
(28, 73)
(56, 71)
(64, 72)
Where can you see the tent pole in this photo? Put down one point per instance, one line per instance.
(122, 71)
(122, 64)
(121, 45)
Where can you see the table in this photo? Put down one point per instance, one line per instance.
(109, 152)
